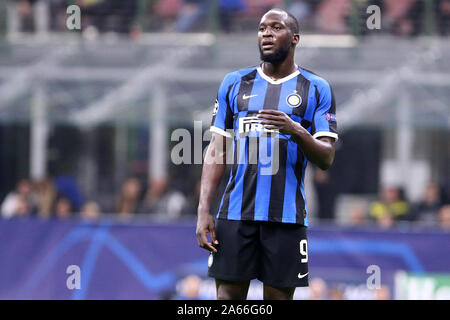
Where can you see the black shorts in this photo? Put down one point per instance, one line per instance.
(272, 252)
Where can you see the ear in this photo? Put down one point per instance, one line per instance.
(295, 39)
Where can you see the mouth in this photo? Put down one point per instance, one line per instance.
(266, 45)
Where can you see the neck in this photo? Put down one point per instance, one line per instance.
(280, 70)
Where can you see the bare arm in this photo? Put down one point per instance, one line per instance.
(213, 169)
(318, 151)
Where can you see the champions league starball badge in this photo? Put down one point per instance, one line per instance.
(216, 107)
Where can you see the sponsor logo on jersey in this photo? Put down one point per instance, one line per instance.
(247, 124)
(245, 97)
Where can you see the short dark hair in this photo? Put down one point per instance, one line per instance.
(291, 21)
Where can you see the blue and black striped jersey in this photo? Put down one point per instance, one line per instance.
(266, 180)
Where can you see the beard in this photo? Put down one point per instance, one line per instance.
(276, 57)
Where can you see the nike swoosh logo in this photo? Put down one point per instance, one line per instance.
(300, 276)
(244, 97)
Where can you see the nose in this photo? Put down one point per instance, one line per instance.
(267, 32)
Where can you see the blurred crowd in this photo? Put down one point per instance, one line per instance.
(399, 17)
(393, 209)
(60, 197)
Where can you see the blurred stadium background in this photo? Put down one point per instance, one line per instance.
(86, 123)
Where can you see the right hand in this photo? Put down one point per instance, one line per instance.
(206, 224)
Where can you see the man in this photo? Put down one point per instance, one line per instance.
(277, 111)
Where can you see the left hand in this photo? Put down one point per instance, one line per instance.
(278, 120)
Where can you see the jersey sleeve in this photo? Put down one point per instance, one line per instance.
(324, 122)
(222, 118)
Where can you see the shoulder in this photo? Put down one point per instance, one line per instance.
(320, 82)
(236, 76)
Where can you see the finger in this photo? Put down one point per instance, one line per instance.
(268, 116)
(269, 127)
(270, 111)
(213, 237)
(199, 240)
(206, 244)
(272, 122)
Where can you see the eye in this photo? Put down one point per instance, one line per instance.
(261, 29)
(277, 28)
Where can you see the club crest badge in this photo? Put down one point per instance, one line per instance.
(294, 100)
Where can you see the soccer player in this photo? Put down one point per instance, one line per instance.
(276, 116)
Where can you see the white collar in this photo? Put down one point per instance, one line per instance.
(278, 81)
